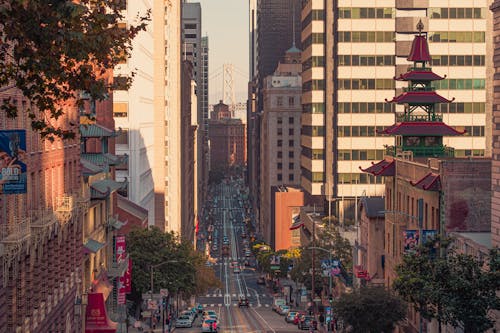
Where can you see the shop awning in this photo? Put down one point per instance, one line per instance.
(96, 319)
(92, 246)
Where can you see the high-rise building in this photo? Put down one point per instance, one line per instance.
(195, 50)
(134, 111)
(495, 168)
(350, 56)
(280, 136)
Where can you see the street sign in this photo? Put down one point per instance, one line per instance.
(152, 305)
(164, 292)
(317, 299)
(275, 268)
(146, 314)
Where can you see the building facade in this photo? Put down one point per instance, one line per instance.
(134, 111)
(285, 206)
(227, 143)
(350, 55)
(41, 219)
(495, 168)
(280, 135)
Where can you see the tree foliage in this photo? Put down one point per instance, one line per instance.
(455, 289)
(55, 50)
(370, 310)
(176, 265)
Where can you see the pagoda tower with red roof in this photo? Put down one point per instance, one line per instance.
(420, 129)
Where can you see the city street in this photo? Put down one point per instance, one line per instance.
(228, 216)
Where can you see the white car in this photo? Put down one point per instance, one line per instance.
(189, 314)
(184, 321)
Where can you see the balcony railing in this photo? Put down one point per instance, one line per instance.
(42, 218)
(64, 203)
(15, 231)
(418, 118)
(438, 151)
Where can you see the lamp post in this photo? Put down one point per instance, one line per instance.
(330, 284)
(151, 268)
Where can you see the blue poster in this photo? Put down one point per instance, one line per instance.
(411, 240)
(13, 162)
(428, 235)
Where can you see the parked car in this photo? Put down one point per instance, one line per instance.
(184, 321)
(283, 310)
(189, 314)
(209, 325)
(243, 301)
(290, 316)
(307, 322)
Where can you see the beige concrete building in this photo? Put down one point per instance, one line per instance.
(346, 80)
(280, 135)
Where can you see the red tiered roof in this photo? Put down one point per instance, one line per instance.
(430, 182)
(419, 76)
(382, 168)
(421, 128)
(419, 49)
(419, 97)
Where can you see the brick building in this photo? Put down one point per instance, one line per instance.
(41, 229)
(227, 143)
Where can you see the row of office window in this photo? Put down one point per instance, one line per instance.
(389, 60)
(314, 61)
(313, 85)
(314, 38)
(360, 154)
(370, 131)
(313, 154)
(280, 154)
(366, 60)
(313, 108)
(279, 166)
(366, 36)
(458, 60)
(457, 37)
(366, 84)
(460, 84)
(314, 15)
(279, 143)
(365, 12)
(363, 107)
(313, 130)
(291, 177)
(456, 13)
(359, 178)
(461, 107)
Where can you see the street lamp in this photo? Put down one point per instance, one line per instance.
(329, 280)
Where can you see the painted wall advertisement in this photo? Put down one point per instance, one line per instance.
(412, 238)
(12, 161)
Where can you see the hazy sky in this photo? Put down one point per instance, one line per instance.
(226, 24)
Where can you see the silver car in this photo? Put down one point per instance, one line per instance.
(184, 321)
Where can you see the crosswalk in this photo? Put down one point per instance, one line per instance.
(213, 305)
(234, 295)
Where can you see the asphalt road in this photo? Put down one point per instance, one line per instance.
(227, 209)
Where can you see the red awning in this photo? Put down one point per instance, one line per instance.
(419, 76)
(96, 319)
(419, 98)
(430, 182)
(419, 49)
(382, 168)
(421, 128)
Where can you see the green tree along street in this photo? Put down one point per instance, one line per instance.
(53, 51)
(455, 289)
(370, 309)
(177, 266)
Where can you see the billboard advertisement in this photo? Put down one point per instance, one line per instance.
(411, 240)
(13, 162)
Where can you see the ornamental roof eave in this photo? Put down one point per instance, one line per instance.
(430, 182)
(419, 98)
(385, 167)
(421, 128)
(415, 75)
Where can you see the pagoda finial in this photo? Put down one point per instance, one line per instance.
(420, 27)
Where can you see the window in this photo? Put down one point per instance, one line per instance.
(280, 154)
(290, 154)
(280, 143)
(457, 37)
(280, 131)
(190, 26)
(279, 166)
(120, 109)
(291, 101)
(279, 176)
(290, 143)
(280, 120)
(291, 166)
(291, 120)
(291, 177)
(123, 138)
(279, 101)
(366, 36)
